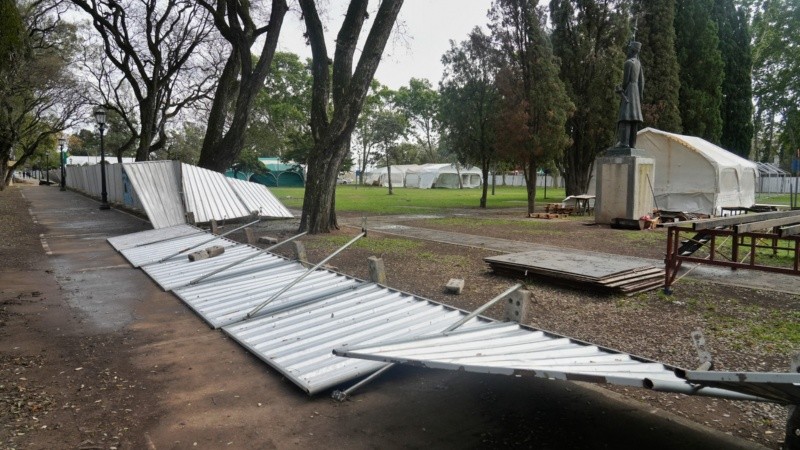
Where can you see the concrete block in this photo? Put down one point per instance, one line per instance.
(197, 256)
(517, 304)
(300, 253)
(214, 227)
(377, 270)
(250, 235)
(454, 286)
(269, 240)
(215, 250)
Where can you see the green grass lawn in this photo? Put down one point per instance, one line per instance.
(376, 200)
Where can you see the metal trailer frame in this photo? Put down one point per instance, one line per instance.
(747, 233)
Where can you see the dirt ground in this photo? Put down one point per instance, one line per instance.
(154, 376)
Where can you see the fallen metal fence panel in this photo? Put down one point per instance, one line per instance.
(224, 301)
(179, 272)
(152, 253)
(256, 197)
(142, 238)
(157, 184)
(209, 195)
(512, 349)
(297, 341)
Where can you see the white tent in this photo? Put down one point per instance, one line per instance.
(380, 175)
(429, 176)
(694, 175)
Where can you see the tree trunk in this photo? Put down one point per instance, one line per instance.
(389, 172)
(319, 215)
(221, 148)
(485, 176)
(332, 127)
(147, 117)
(211, 156)
(530, 184)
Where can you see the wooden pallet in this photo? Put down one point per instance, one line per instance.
(547, 216)
(578, 270)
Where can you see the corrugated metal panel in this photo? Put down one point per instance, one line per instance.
(223, 301)
(179, 272)
(256, 197)
(511, 349)
(152, 253)
(209, 196)
(298, 341)
(157, 184)
(150, 236)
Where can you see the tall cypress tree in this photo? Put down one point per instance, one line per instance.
(701, 69)
(737, 90)
(660, 64)
(590, 39)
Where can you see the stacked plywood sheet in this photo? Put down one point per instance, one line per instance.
(594, 272)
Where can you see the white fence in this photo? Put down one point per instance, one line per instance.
(86, 179)
(777, 185)
(519, 180)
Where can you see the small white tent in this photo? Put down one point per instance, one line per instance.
(694, 175)
(380, 175)
(429, 176)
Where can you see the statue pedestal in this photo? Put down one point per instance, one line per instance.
(623, 189)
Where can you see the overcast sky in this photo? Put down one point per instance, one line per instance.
(426, 26)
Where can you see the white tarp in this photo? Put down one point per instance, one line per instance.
(694, 175)
(429, 176)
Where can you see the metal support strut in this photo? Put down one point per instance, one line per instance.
(344, 395)
(301, 277)
(202, 243)
(246, 258)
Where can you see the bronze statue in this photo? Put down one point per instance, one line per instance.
(630, 105)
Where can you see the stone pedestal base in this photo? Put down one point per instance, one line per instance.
(623, 185)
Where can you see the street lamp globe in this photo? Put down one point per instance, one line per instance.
(100, 116)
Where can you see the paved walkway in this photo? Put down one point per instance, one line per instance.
(720, 275)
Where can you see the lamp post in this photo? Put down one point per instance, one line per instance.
(61, 142)
(47, 166)
(100, 118)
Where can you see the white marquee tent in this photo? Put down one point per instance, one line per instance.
(429, 176)
(380, 175)
(694, 175)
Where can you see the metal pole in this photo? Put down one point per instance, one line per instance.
(301, 277)
(47, 166)
(203, 243)
(342, 395)
(103, 193)
(247, 258)
(63, 171)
